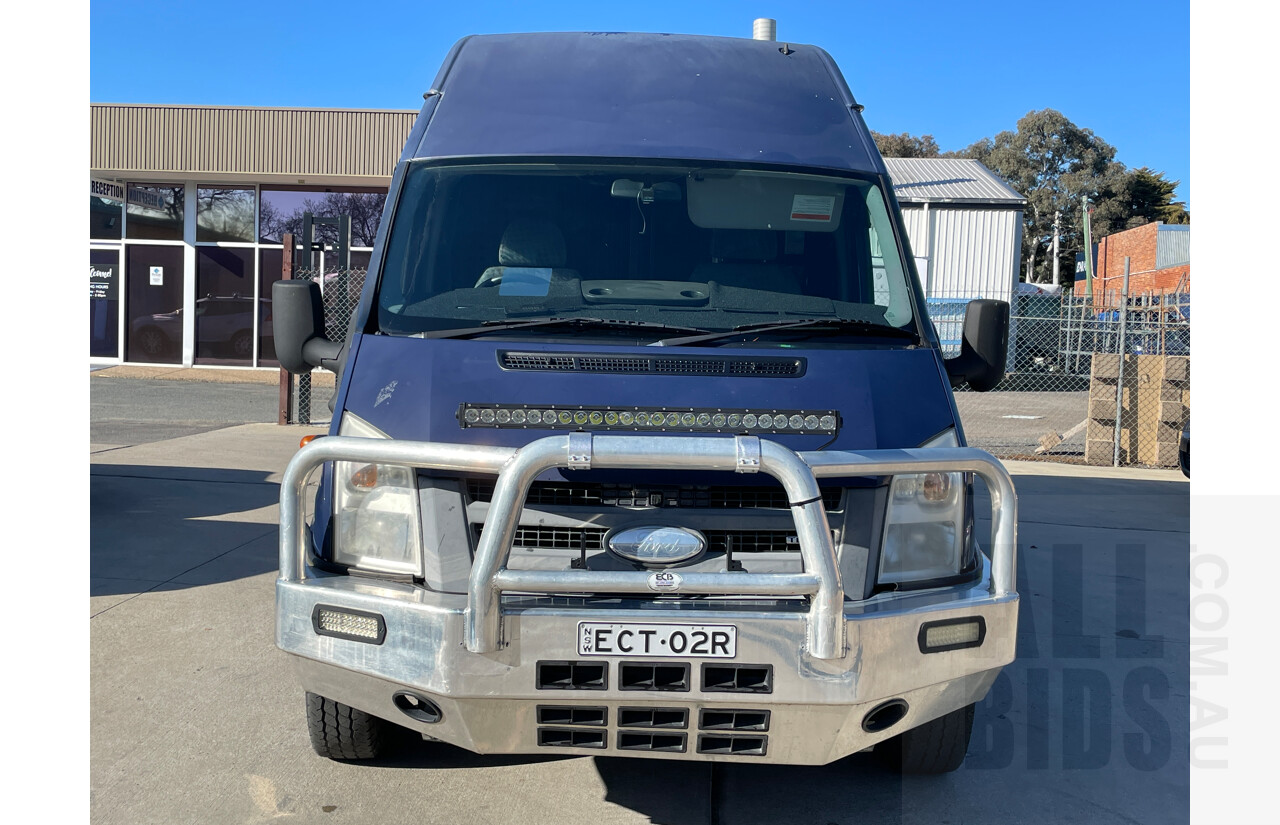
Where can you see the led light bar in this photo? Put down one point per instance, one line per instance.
(952, 634)
(649, 419)
(344, 623)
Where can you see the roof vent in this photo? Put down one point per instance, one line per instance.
(764, 28)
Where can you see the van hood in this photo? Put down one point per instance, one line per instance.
(413, 388)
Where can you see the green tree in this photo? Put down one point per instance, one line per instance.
(906, 146)
(1054, 163)
(1148, 197)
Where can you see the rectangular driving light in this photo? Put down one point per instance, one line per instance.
(342, 623)
(952, 634)
(753, 420)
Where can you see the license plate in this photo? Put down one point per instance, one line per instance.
(682, 641)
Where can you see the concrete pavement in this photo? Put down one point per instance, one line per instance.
(195, 716)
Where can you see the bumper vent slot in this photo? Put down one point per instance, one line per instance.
(734, 720)
(634, 740)
(737, 678)
(733, 745)
(570, 715)
(572, 676)
(570, 738)
(653, 676)
(653, 717)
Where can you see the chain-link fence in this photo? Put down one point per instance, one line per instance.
(1068, 394)
(309, 398)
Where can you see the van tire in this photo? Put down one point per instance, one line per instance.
(342, 732)
(937, 746)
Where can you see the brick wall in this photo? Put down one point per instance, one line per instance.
(1138, 244)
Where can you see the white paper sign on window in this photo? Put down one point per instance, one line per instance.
(157, 276)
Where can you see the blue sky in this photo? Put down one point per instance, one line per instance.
(958, 71)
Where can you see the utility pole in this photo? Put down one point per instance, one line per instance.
(1088, 255)
(1057, 219)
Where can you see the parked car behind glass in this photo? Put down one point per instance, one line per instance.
(224, 327)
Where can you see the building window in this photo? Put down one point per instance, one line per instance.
(155, 212)
(104, 303)
(282, 210)
(105, 219)
(270, 270)
(224, 305)
(224, 215)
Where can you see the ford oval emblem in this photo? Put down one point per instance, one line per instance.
(657, 546)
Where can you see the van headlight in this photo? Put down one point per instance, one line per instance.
(378, 526)
(925, 528)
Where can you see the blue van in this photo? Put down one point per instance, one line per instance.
(643, 443)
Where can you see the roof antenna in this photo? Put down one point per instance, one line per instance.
(766, 28)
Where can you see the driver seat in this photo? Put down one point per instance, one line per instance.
(529, 244)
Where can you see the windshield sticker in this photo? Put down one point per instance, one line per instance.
(525, 281)
(384, 394)
(815, 208)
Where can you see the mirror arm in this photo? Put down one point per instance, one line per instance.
(323, 353)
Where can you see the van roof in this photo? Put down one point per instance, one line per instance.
(642, 96)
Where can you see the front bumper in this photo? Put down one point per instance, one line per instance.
(831, 662)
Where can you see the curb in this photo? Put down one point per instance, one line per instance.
(208, 375)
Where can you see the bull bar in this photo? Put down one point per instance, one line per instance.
(516, 469)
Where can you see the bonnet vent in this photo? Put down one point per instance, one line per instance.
(747, 367)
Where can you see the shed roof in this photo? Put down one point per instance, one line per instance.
(949, 180)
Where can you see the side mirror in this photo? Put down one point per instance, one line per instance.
(298, 323)
(983, 347)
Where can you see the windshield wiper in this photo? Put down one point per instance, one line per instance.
(807, 324)
(601, 323)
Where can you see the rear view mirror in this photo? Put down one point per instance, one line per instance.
(298, 320)
(633, 189)
(984, 346)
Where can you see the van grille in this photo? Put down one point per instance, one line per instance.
(571, 538)
(716, 497)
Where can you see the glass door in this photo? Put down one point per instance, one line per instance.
(154, 276)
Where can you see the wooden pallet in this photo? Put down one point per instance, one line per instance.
(1155, 402)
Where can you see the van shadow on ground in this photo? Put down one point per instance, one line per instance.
(178, 526)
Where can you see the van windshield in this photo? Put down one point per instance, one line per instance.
(657, 251)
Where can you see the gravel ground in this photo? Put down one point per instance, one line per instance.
(1010, 424)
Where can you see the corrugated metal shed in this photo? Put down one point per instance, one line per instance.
(1173, 245)
(226, 143)
(949, 180)
(964, 226)
(976, 253)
